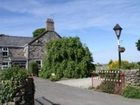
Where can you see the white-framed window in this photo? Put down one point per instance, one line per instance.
(5, 65)
(5, 49)
(5, 52)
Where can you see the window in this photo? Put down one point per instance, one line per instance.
(5, 52)
(4, 49)
(39, 64)
(5, 65)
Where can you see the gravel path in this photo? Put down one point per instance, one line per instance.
(81, 83)
(67, 95)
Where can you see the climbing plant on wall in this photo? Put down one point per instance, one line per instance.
(68, 58)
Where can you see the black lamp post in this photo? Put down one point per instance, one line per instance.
(118, 30)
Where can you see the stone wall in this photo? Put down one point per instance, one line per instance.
(25, 93)
(132, 77)
(37, 48)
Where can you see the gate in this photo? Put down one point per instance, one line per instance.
(115, 76)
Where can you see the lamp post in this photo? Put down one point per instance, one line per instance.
(118, 30)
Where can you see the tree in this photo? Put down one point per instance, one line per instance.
(67, 58)
(138, 45)
(38, 32)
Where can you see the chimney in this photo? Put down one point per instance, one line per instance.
(50, 25)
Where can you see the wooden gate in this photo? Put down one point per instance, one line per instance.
(115, 76)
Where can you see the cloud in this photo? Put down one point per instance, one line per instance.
(81, 17)
(81, 13)
(26, 6)
(77, 14)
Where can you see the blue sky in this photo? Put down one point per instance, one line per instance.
(91, 20)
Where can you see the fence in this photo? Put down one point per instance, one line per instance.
(116, 76)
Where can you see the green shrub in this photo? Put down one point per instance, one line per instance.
(6, 91)
(9, 80)
(67, 58)
(33, 68)
(131, 92)
(107, 86)
(114, 65)
(13, 73)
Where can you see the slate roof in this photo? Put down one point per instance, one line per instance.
(14, 41)
(50, 33)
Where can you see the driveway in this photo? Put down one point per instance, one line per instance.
(82, 83)
(67, 95)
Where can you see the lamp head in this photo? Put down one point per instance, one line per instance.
(117, 30)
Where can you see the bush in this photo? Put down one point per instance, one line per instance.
(33, 68)
(67, 58)
(9, 80)
(114, 65)
(131, 92)
(13, 73)
(6, 91)
(107, 86)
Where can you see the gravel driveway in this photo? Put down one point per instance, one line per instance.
(81, 83)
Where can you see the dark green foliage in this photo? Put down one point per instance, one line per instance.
(107, 86)
(6, 91)
(138, 63)
(38, 32)
(33, 68)
(14, 72)
(9, 80)
(131, 92)
(138, 45)
(67, 58)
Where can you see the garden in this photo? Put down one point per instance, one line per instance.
(16, 87)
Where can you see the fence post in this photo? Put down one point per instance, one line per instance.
(122, 80)
(92, 78)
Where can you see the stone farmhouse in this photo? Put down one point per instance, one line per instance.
(16, 50)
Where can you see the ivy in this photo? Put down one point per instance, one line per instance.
(67, 58)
